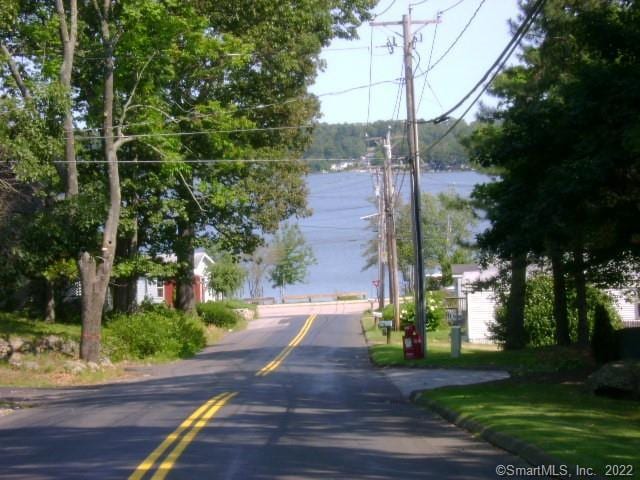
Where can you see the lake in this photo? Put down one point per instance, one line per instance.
(338, 235)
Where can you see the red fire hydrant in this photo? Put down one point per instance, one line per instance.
(412, 343)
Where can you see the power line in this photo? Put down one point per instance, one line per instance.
(512, 46)
(501, 60)
(457, 39)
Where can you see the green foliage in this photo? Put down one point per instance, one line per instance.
(434, 313)
(539, 321)
(155, 331)
(292, 257)
(629, 343)
(603, 342)
(226, 275)
(219, 314)
(347, 141)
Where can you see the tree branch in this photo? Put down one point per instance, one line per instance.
(15, 72)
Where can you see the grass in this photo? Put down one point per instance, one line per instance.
(12, 324)
(531, 360)
(561, 419)
(537, 405)
(51, 371)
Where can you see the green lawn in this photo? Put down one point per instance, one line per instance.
(561, 419)
(532, 360)
(14, 324)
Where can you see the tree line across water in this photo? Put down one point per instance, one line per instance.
(334, 143)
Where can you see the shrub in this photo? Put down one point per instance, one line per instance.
(434, 313)
(628, 340)
(154, 332)
(539, 321)
(218, 314)
(603, 341)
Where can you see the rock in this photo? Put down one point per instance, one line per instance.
(49, 343)
(106, 363)
(617, 379)
(27, 347)
(16, 360)
(16, 343)
(75, 366)
(245, 313)
(5, 349)
(69, 347)
(93, 366)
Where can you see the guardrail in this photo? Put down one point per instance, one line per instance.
(324, 297)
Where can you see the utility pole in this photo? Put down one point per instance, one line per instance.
(392, 250)
(381, 249)
(414, 158)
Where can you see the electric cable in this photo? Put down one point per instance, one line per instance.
(507, 51)
(513, 46)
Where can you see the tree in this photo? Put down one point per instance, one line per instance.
(226, 275)
(292, 257)
(447, 220)
(557, 137)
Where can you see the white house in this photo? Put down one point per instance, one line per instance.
(158, 291)
(477, 308)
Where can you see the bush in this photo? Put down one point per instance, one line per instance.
(628, 340)
(603, 341)
(154, 332)
(539, 321)
(218, 314)
(434, 313)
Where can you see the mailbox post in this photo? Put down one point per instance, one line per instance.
(386, 326)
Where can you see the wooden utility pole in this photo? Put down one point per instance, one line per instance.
(392, 250)
(414, 158)
(381, 249)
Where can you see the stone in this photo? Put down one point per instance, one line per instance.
(5, 349)
(16, 343)
(75, 366)
(93, 366)
(617, 379)
(16, 360)
(69, 347)
(245, 313)
(27, 347)
(105, 362)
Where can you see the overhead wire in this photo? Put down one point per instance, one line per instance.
(504, 55)
(457, 39)
(502, 60)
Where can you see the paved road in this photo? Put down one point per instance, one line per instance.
(293, 397)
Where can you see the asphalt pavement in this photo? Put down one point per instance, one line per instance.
(292, 397)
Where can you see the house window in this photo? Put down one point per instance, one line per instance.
(159, 288)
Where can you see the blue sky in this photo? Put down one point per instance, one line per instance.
(348, 62)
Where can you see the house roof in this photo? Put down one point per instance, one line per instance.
(460, 268)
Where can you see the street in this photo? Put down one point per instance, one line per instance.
(293, 396)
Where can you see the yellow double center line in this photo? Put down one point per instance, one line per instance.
(185, 433)
(182, 436)
(275, 363)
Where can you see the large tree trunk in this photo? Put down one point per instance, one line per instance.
(515, 336)
(581, 297)
(185, 250)
(560, 299)
(95, 277)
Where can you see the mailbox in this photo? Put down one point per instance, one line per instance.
(412, 343)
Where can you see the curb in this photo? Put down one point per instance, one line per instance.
(530, 453)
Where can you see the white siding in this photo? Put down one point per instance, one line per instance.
(147, 290)
(626, 305)
(480, 314)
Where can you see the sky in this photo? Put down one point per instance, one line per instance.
(350, 64)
